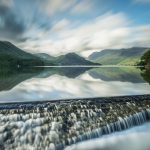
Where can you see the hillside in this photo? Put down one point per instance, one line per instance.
(130, 56)
(73, 59)
(44, 56)
(68, 59)
(47, 59)
(145, 59)
(12, 56)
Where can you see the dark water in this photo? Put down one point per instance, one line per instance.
(34, 84)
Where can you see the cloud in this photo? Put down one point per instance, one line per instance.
(104, 31)
(54, 6)
(141, 1)
(111, 30)
(6, 3)
(82, 7)
(11, 26)
(58, 27)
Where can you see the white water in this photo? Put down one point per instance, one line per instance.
(136, 138)
(35, 129)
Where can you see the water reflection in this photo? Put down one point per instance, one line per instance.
(60, 83)
(11, 78)
(67, 72)
(146, 75)
(124, 74)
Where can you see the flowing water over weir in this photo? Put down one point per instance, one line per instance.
(55, 125)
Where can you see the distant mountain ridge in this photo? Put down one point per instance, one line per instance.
(128, 56)
(44, 56)
(68, 59)
(12, 56)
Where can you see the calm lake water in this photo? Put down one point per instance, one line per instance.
(35, 84)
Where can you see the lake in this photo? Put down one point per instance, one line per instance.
(75, 124)
(54, 83)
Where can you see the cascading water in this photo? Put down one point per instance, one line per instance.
(55, 125)
(120, 125)
(136, 138)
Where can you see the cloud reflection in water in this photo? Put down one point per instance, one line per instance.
(61, 87)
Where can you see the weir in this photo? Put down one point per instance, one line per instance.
(55, 125)
(122, 124)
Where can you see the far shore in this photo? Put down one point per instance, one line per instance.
(87, 66)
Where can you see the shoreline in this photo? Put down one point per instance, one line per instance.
(89, 66)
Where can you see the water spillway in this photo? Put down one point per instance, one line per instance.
(55, 125)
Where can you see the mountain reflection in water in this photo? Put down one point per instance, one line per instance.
(35, 84)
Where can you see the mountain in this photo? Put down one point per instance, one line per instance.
(73, 59)
(44, 56)
(68, 59)
(145, 59)
(47, 59)
(12, 56)
(129, 56)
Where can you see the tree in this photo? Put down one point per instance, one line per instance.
(145, 59)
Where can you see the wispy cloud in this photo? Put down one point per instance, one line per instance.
(82, 7)
(57, 27)
(11, 26)
(6, 3)
(141, 1)
(107, 31)
(54, 6)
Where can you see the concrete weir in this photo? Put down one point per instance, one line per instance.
(57, 124)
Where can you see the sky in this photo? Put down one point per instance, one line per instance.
(59, 27)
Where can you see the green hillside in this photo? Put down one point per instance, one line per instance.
(47, 59)
(68, 59)
(130, 56)
(145, 59)
(11, 56)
